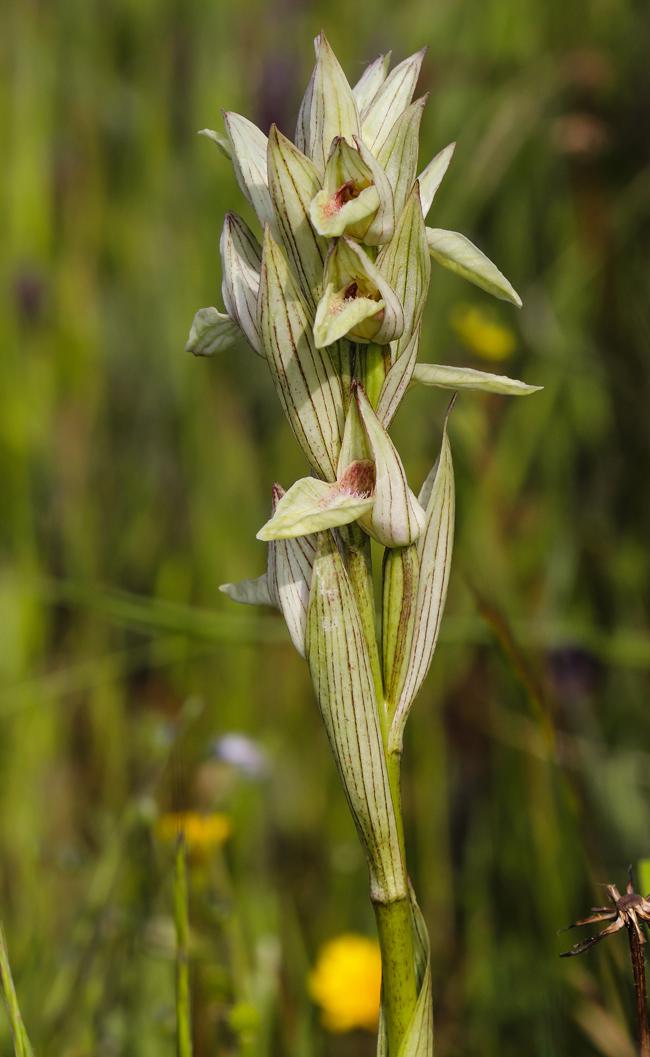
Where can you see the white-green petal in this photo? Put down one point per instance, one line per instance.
(328, 109)
(455, 252)
(212, 331)
(332, 220)
(222, 142)
(248, 148)
(371, 81)
(383, 223)
(241, 260)
(341, 673)
(305, 378)
(434, 551)
(396, 518)
(358, 300)
(292, 570)
(293, 182)
(469, 378)
(399, 154)
(390, 101)
(338, 315)
(311, 506)
(404, 263)
(255, 592)
(431, 177)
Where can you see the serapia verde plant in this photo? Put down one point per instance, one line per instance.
(333, 300)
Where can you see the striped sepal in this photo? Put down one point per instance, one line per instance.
(340, 670)
(434, 549)
(307, 384)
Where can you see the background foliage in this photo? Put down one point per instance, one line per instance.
(134, 479)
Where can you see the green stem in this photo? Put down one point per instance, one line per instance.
(372, 370)
(181, 918)
(398, 973)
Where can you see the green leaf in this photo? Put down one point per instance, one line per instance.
(434, 549)
(404, 263)
(418, 1041)
(468, 378)
(241, 259)
(311, 505)
(328, 109)
(248, 148)
(399, 593)
(455, 252)
(431, 177)
(305, 378)
(293, 182)
(390, 101)
(340, 670)
(399, 154)
(357, 300)
(212, 331)
(371, 81)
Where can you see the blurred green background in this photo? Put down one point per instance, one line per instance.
(134, 480)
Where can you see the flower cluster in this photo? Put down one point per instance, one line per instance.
(332, 298)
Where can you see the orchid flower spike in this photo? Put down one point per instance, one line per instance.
(329, 287)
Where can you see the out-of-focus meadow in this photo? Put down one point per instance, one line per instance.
(134, 480)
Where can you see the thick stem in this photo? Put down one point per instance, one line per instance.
(638, 969)
(398, 972)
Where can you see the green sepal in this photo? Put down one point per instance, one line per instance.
(399, 154)
(371, 81)
(389, 102)
(434, 548)
(293, 182)
(211, 331)
(431, 177)
(328, 109)
(248, 152)
(468, 378)
(455, 252)
(404, 263)
(305, 378)
(241, 260)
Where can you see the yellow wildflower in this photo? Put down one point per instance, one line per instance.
(202, 832)
(483, 333)
(346, 982)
